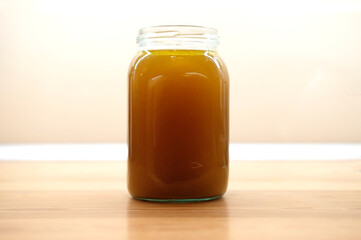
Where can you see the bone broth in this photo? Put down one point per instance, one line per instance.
(178, 124)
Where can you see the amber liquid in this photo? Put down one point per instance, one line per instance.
(178, 125)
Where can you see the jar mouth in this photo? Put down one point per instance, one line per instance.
(178, 37)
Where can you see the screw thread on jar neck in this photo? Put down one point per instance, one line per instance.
(177, 37)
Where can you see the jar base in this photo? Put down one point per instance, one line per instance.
(187, 200)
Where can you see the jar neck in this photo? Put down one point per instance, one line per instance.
(177, 37)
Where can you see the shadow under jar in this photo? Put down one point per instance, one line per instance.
(178, 116)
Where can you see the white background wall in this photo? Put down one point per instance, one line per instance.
(295, 67)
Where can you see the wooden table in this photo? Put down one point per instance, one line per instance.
(265, 200)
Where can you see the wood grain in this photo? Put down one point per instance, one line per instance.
(265, 200)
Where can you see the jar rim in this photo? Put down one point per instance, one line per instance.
(178, 37)
(195, 27)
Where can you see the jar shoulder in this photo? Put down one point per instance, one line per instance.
(158, 62)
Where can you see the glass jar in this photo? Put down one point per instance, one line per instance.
(178, 116)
